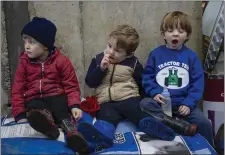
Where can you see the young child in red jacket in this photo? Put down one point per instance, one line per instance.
(46, 90)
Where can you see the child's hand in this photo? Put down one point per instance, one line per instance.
(77, 113)
(159, 98)
(184, 110)
(22, 120)
(105, 62)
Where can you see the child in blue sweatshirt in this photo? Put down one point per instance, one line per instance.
(178, 68)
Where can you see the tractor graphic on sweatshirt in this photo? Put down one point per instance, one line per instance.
(173, 79)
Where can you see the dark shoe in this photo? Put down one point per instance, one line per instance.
(75, 140)
(43, 122)
(180, 126)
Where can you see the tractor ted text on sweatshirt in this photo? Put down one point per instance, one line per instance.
(178, 70)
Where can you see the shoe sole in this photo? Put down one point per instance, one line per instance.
(91, 134)
(41, 124)
(154, 128)
(78, 144)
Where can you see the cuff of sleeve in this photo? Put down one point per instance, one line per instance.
(75, 106)
(20, 116)
(189, 105)
(100, 70)
(155, 92)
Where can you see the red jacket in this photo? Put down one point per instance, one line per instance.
(55, 76)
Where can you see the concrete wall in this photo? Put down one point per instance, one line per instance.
(83, 27)
(5, 73)
(14, 15)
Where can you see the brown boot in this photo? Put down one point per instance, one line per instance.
(75, 140)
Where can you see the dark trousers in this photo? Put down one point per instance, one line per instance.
(205, 127)
(114, 112)
(57, 105)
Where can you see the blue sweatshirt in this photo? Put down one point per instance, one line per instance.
(180, 71)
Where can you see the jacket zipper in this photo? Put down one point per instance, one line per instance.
(42, 71)
(111, 78)
(40, 88)
(42, 75)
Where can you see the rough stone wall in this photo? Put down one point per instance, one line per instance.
(5, 70)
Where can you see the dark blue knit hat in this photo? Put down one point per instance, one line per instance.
(42, 30)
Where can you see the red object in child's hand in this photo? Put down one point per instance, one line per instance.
(90, 105)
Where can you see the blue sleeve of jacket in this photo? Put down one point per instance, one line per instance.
(196, 82)
(149, 82)
(137, 75)
(94, 75)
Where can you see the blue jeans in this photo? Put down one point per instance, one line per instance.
(205, 127)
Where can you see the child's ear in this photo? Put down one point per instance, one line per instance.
(187, 38)
(163, 35)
